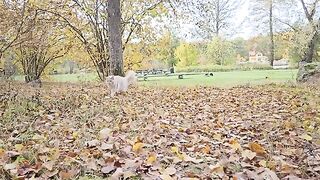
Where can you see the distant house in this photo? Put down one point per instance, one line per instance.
(257, 57)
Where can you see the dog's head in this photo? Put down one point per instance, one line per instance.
(110, 80)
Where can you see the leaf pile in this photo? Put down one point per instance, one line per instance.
(73, 131)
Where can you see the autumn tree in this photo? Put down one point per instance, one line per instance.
(45, 41)
(12, 24)
(165, 48)
(220, 51)
(186, 54)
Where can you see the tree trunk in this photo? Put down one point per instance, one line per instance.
(217, 18)
(115, 38)
(271, 32)
(309, 53)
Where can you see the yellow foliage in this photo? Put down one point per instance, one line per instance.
(137, 146)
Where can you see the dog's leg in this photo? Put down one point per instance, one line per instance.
(112, 93)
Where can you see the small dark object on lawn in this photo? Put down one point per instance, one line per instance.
(211, 74)
(145, 77)
(267, 77)
(180, 76)
(207, 74)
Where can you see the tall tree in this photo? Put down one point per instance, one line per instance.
(115, 38)
(310, 13)
(263, 13)
(212, 16)
(271, 35)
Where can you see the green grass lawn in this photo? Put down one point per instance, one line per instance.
(220, 79)
(227, 79)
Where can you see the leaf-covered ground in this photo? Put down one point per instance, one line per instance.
(76, 131)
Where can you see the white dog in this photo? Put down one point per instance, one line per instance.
(119, 83)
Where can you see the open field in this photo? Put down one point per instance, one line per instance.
(76, 131)
(220, 79)
(227, 79)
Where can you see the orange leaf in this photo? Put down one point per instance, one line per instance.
(257, 148)
(206, 149)
(65, 175)
(234, 144)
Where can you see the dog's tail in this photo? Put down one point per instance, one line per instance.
(131, 77)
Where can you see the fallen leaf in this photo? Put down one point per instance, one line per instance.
(137, 147)
(65, 174)
(248, 154)
(50, 174)
(117, 174)
(105, 146)
(105, 133)
(268, 174)
(2, 152)
(92, 165)
(152, 158)
(48, 165)
(235, 144)
(170, 171)
(206, 149)
(166, 177)
(75, 135)
(128, 174)
(92, 143)
(175, 149)
(191, 159)
(38, 137)
(9, 166)
(257, 148)
(18, 147)
(263, 163)
(306, 137)
(217, 169)
(107, 169)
